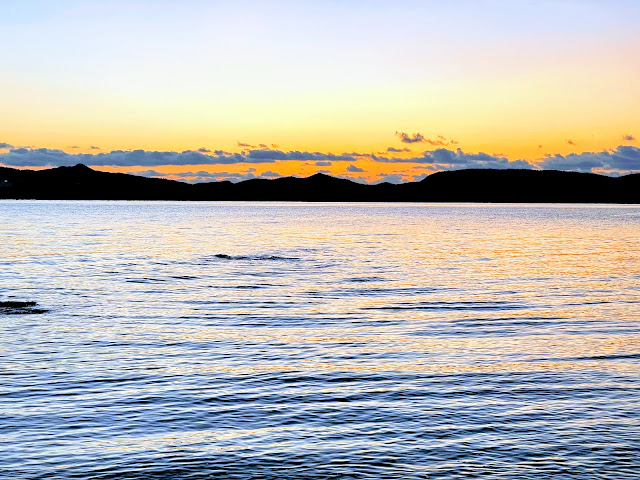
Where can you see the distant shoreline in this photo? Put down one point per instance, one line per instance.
(459, 186)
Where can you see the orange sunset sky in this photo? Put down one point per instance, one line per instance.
(372, 91)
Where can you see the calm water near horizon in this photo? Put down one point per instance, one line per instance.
(345, 341)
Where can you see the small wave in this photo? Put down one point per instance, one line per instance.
(20, 308)
(145, 280)
(364, 279)
(450, 306)
(621, 356)
(345, 292)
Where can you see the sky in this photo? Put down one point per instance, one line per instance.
(369, 90)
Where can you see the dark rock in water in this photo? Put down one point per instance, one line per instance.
(224, 256)
(19, 308)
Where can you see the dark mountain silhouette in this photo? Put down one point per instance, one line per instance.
(517, 186)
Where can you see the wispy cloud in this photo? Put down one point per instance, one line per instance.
(397, 150)
(628, 137)
(439, 141)
(570, 142)
(410, 138)
(354, 169)
(4, 145)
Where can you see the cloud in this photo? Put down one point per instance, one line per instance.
(40, 157)
(149, 173)
(446, 159)
(622, 159)
(261, 146)
(407, 138)
(628, 138)
(314, 156)
(93, 147)
(440, 141)
(201, 176)
(361, 180)
(204, 150)
(430, 168)
(570, 142)
(390, 178)
(4, 145)
(270, 174)
(233, 177)
(397, 150)
(23, 157)
(73, 146)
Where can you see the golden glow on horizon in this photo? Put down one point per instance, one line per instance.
(510, 116)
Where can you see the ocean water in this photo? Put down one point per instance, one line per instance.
(343, 341)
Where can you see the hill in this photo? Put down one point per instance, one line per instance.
(500, 186)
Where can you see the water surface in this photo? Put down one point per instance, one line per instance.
(284, 341)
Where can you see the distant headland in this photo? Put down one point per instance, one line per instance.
(478, 185)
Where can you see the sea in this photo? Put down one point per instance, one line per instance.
(186, 340)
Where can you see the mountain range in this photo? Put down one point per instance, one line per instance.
(474, 185)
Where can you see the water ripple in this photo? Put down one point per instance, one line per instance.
(325, 342)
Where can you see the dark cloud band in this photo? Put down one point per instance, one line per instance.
(623, 159)
(44, 157)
